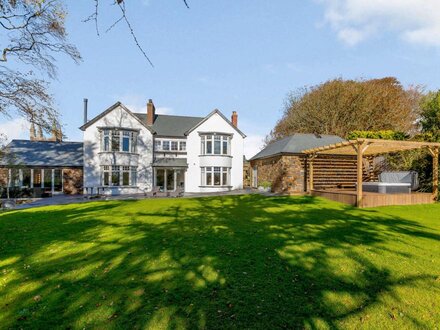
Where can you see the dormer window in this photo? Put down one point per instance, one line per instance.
(215, 144)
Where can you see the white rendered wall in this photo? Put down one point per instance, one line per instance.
(214, 124)
(94, 158)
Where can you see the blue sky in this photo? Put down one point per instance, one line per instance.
(239, 55)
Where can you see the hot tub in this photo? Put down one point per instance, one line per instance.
(387, 187)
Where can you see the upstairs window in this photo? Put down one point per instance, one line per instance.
(118, 140)
(157, 145)
(169, 145)
(215, 144)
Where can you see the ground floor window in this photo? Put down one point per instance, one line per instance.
(216, 176)
(119, 175)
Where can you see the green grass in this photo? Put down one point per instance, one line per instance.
(231, 262)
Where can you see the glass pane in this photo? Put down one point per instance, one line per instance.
(217, 146)
(166, 145)
(225, 147)
(15, 178)
(225, 179)
(133, 177)
(174, 145)
(170, 180)
(106, 178)
(48, 178)
(160, 179)
(26, 177)
(182, 146)
(216, 178)
(58, 181)
(126, 144)
(126, 178)
(115, 178)
(209, 147)
(209, 179)
(115, 141)
(37, 177)
(106, 143)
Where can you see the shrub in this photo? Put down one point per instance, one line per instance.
(384, 135)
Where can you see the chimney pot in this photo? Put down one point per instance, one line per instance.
(234, 118)
(151, 112)
(85, 110)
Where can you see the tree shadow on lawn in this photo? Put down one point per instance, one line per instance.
(228, 262)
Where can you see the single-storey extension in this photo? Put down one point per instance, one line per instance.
(285, 166)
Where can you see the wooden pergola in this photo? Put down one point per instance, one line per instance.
(373, 147)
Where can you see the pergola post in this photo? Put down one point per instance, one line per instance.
(311, 183)
(360, 152)
(435, 158)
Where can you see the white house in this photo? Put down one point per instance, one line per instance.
(126, 152)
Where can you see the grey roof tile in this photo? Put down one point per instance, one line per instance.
(296, 143)
(172, 126)
(43, 153)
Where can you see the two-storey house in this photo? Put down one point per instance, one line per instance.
(126, 152)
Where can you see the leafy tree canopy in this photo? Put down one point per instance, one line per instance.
(342, 106)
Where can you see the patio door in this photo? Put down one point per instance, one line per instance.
(169, 179)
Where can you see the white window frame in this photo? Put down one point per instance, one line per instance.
(213, 140)
(211, 171)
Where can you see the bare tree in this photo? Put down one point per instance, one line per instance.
(34, 32)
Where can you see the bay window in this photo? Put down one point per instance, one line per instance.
(119, 175)
(118, 140)
(215, 144)
(215, 176)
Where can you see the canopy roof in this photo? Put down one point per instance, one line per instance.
(370, 147)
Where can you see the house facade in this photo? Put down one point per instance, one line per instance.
(126, 152)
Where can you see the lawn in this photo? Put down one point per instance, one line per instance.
(225, 262)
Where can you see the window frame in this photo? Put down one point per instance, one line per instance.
(209, 173)
(215, 144)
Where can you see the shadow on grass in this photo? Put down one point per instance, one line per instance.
(230, 262)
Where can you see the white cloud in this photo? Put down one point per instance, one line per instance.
(17, 128)
(415, 21)
(252, 145)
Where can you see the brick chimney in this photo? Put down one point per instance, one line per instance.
(151, 112)
(234, 118)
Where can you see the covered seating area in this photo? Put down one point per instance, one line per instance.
(382, 192)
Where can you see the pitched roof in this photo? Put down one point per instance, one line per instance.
(170, 162)
(43, 153)
(172, 126)
(216, 111)
(296, 143)
(110, 109)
